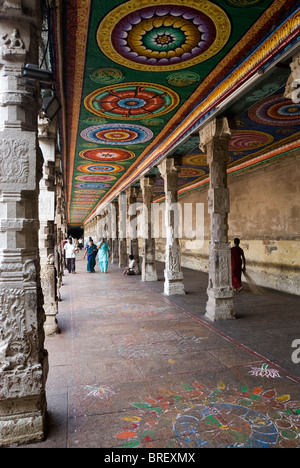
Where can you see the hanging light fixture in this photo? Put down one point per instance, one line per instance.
(51, 106)
(33, 72)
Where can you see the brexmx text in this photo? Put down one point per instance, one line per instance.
(143, 456)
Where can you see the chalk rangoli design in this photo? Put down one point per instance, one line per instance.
(102, 392)
(126, 311)
(197, 416)
(264, 371)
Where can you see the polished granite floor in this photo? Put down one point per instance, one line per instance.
(133, 368)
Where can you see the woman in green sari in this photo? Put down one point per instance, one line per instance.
(91, 252)
(103, 249)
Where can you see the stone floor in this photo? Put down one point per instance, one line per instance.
(134, 368)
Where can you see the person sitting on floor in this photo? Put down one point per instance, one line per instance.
(130, 270)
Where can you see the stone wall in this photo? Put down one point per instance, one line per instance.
(265, 215)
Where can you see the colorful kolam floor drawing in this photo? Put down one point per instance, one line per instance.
(133, 369)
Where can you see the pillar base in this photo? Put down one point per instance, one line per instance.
(149, 273)
(218, 309)
(123, 257)
(51, 326)
(23, 406)
(173, 286)
(22, 429)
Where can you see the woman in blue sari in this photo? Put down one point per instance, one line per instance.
(91, 252)
(103, 249)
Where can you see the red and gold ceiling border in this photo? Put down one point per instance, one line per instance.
(57, 43)
(78, 15)
(177, 128)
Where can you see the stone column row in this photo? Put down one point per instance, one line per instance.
(123, 226)
(47, 232)
(23, 359)
(214, 140)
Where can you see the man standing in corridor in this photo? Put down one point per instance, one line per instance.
(70, 251)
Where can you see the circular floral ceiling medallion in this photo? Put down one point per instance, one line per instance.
(276, 110)
(100, 168)
(95, 178)
(196, 160)
(161, 35)
(106, 154)
(117, 134)
(132, 101)
(88, 193)
(246, 140)
(187, 172)
(92, 186)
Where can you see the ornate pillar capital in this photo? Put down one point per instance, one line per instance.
(170, 166)
(217, 128)
(147, 182)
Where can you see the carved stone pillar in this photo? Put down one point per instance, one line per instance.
(114, 232)
(169, 169)
(99, 233)
(148, 266)
(23, 359)
(59, 226)
(214, 139)
(47, 238)
(123, 257)
(132, 194)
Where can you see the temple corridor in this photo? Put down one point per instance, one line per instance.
(134, 368)
(161, 136)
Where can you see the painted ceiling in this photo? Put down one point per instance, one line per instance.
(137, 78)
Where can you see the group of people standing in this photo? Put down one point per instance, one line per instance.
(92, 251)
(101, 251)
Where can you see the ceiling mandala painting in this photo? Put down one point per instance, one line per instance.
(140, 77)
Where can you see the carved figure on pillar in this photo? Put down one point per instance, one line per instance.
(214, 139)
(169, 169)
(292, 90)
(148, 266)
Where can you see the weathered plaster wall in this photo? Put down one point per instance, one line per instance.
(265, 215)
